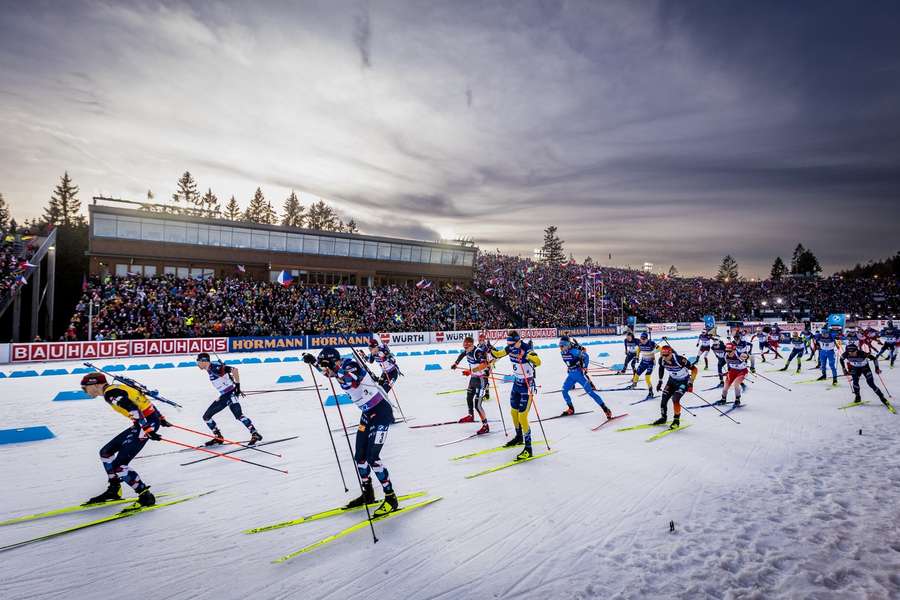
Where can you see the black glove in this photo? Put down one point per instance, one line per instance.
(237, 389)
(659, 386)
(309, 359)
(164, 422)
(453, 366)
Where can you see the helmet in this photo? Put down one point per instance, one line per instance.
(629, 333)
(93, 379)
(565, 341)
(852, 347)
(373, 343)
(644, 335)
(481, 337)
(666, 350)
(329, 358)
(512, 337)
(729, 347)
(203, 357)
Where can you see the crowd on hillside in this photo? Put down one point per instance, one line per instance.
(507, 291)
(155, 307)
(16, 248)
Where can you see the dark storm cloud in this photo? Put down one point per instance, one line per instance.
(669, 132)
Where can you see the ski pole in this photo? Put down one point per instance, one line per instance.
(230, 442)
(358, 355)
(499, 402)
(758, 374)
(222, 455)
(352, 457)
(884, 385)
(715, 407)
(536, 411)
(328, 426)
(307, 388)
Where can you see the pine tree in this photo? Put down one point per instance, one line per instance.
(187, 191)
(552, 250)
(256, 212)
(728, 270)
(795, 259)
(210, 203)
(4, 214)
(808, 264)
(673, 272)
(270, 216)
(64, 206)
(232, 210)
(351, 227)
(322, 217)
(779, 270)
(293, 211)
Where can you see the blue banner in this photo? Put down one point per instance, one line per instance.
(709, 321)
(631, 322)
(338, 340)
(259, 344)
(836, 320)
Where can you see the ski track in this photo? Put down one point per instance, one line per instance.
(792, 503)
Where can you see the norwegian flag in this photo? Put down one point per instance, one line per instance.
(423, 285)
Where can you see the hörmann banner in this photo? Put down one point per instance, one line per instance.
(259, 344)
(50, 351)
(338, 340)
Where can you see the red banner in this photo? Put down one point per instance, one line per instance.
(498, 334)
(51, 351)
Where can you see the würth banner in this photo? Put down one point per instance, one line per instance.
(113, 349)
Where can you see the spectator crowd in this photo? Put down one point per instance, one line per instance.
(16, 248)
(507, 291)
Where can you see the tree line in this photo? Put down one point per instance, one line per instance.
(803, 264)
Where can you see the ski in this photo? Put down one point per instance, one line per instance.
(462, 439)
(452, 392)
(846, 406)
(733, 408)
(126, 512)
(667, 432)
(179, 451)
(68, 509)
(644, 426)
(506, 465)
(609, 420)
(715, 387)
(646, 399)
(193, 462)
(574, 414)
(353, 528)
(447, 423)
(325, 514)
(890, 407)
(492, 450)
(710, 405)
(354, 426)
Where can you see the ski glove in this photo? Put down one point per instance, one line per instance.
(453, 366)
(467, 372)
(659, 386)
(237, 390)
(309, 359)
(149, 433)
(164, 422)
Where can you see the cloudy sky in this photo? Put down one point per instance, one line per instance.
(669, 132)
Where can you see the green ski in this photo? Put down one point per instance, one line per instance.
(852, 404)
(353, 528)
(67, 510)
(511, 463)
(126, 512)
(491, 451)
(644, 426)
(324, 515)
(667, 432)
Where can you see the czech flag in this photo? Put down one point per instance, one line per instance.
(285, 279)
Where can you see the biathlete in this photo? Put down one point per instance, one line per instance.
(577, 360)
(737, 370)
(524, 361)
(478, 371)
(227, 382)
(682, 374)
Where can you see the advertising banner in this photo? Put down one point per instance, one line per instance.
(406, 337)
(4, 354)
(51, 351)
(527, 334)
(258, 344)
(338, 340)
(439, 337)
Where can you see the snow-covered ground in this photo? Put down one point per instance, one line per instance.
(794, 502)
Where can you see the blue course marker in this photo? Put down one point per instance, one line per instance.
(81, 370)
(187, 363)
(46, 372)
(73, 395)
(602, 354)
(342, 398)
(251, 361)
(16, 374)
(139, 367)
(273, 359)
(433, 367)
(163, 366)
(291, 359)
(25, 434)
(290, 379)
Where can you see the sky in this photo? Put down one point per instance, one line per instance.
(666, 132)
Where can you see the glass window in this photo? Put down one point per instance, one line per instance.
(294, 242)
(356, 248)
(152, 229)
(341, 247)
(175, 232)
(426, 255)
(436, 256)
(203, 235)
(182, 272)
(215, 236)
(129, 228)
(470, 257)
(191, 233)
(240, 238)
(273, 276)
(121, 270)
(276, 241)
(405, 252)
(225, 236)
(395, 251)
(384, 251)
(310, 244)
(149, 270)
(196, 272)
(415, 253)
(326, 246)
(105, 225)
(447, 257)
(168, 270)
(370, 249)
(259, 240)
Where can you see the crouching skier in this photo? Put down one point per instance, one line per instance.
(374, 422)
(119, 451)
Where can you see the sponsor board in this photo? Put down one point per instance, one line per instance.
(338, 340)
(4, 354)
(439, 337)
(663, 327)
(574, 331)
(526, 334)
(52, 351)
(406, 338)
(258, 344)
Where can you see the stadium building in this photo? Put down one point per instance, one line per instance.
(126, 241)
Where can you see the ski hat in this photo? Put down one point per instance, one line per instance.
(852, 347)
(373, 343)
(203, 357)
(512, 337)
(329, 357)
(729, 347)
(644, 335)
(666, 350)
(564, 340)
(93, 379)
(629, 333)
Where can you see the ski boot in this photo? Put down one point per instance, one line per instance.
(569, 411)
(254, 437)
(660, 421)
(484, 429)
(367, 496)
(821, 378)
(858, 399)
(649, 395)
(467, 419)
(113, 492)
(676, 423)
(388, 506)
(217, 440)
(525, 453)
(606, 411)
(784, 368)
(737, 402)
(720, 401)
(834, 382)
(631, 386)
(146, 497)
(515, 441)
(798, 369)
